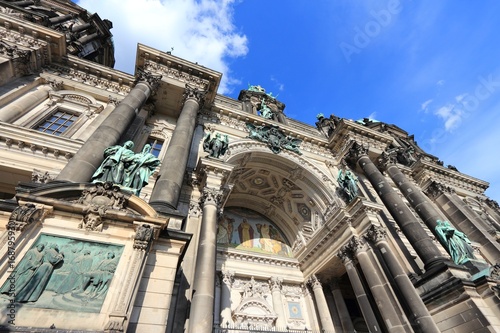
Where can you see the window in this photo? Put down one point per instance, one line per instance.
(57, 123)
(156, 146)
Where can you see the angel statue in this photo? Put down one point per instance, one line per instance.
(216, 145)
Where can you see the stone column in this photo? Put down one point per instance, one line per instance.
(168, 185)
(357, 286)
(465, 219)
(225, 298)
(275, 284)
(411, 228)
(86, 161)
(345, 317)
(389, 311)
(421, 315)
(321, 305)
(202, 303)
(19, 107)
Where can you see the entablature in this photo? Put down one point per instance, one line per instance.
(425, 171)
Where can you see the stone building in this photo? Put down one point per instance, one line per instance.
(244, 220)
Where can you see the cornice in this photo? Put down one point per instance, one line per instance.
(246, 256)
(425, 171)
(348, 131)
(36, 143)
(92, 74)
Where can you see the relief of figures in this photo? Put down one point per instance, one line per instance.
(63, 273)
(247, 230)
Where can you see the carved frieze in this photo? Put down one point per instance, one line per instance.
(274, 137)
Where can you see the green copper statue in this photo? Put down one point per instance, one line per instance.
(121, 166)
(265, 111)
(113, 167)
(348, 182)
(457, 243)
(140, 169)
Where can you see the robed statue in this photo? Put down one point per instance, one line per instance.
(140, 169)
(348, 182)
(458, 244)
(116, 160)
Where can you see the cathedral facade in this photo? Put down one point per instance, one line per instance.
(148, 202)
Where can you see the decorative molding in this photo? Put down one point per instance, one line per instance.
(143, 237)
(376, 234)
(23, 216)
(153, 80)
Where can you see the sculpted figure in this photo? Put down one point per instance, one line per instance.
(265, 111)
(457, 243)
(25, 270)
(37, 283)
(79, 266)
(348, 181)
(216, 145)
(116, 160)
(140, 169)
(96, 282)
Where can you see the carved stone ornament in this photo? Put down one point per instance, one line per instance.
(495, 272)
(92, 218)
(24, 215)
(274, 137)
(215, 144)
(435, 189)
(103, 194)
(153, 80)
(227, 277)
(194, 93)
(211, 196)
(41, 177)
(355, 152)
(313, 281)
(349, 250)
(387, 158)
(194, 208)
(276, 283)
(143, 237)
(376, 234)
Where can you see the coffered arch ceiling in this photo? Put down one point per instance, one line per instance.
(290, 192)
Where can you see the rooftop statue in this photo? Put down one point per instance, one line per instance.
(257, 88)
(216, 145)
(348, 182)
(265, 111)
(457, 243)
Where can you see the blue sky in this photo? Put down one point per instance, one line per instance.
(429, 67)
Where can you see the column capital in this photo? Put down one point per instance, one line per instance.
(193, 93)
(24, 215)
(227, 277)
(313, 281)
(275, 283)
(356, 151)
(387, 158)
(375, 234)
(436, 188)
(153, 80)
(211, 196)
(349, 250)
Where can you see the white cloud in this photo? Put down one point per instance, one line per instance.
(281, 86)
(451, 115)
(425, 105)
(199, 31)
(440, 82)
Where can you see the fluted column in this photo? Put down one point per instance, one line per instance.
(321, 305)
(345, 317)
(411, 228)
(168, 185)
(19, 107)
(225, 298)
(357, 286)
(417, 307)
(275, 284)
(88, 158)
(389, 312)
